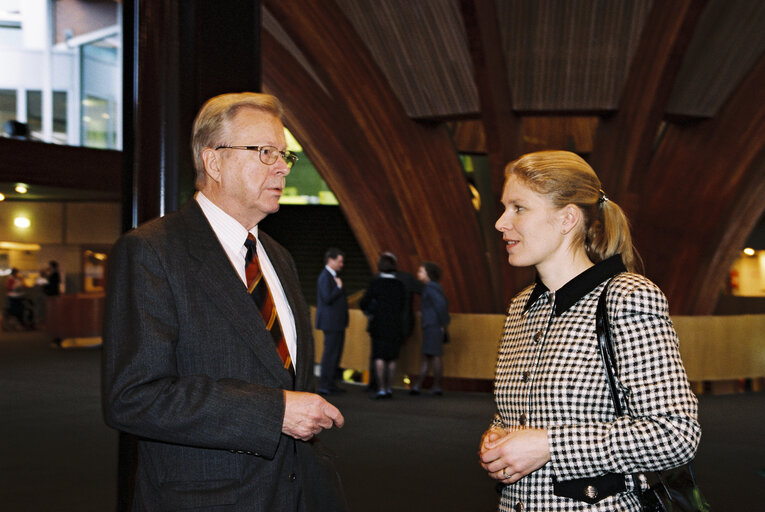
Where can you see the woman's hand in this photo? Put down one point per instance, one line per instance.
(509, 456)
(492, 435)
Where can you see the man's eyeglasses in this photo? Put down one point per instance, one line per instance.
(268, 154)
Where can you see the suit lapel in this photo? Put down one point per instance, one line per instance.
(218, 279)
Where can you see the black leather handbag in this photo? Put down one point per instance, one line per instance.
(671, 490)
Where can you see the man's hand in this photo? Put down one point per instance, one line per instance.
(307, 414)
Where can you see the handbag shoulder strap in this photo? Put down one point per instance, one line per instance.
(607, 354)
(605, 344)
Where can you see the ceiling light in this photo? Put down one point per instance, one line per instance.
(749, 251)
(21, 188)
(2, 197)
(22, 222)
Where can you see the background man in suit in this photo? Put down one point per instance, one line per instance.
(331, 318)
(224, 420)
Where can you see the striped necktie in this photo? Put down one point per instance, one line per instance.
(258, 288)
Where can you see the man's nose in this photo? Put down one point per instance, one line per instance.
(281, 167)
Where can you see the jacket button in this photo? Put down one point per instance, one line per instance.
(522, 419)
(591, 492)
(538, 336)
(292, 477)
(525, 376)
(518, 506)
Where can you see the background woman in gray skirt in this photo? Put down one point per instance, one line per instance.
(434, 312)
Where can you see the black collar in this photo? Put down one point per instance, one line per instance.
(579, 286)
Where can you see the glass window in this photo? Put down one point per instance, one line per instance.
(34, 113)
(98, 130)
(7, 106)
(59, 117)
(10, 23)
(101, 90)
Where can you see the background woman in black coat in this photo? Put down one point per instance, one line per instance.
(383, 303)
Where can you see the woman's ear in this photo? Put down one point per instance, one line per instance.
(212, 164)
(571, 216)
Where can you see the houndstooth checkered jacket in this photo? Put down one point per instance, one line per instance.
(550, 376)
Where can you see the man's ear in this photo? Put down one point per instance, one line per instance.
(212, 164)
(571, 216)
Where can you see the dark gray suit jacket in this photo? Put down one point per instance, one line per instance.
(331, 304)
(190, 369)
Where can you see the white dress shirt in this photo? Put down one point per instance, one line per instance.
(232, 235)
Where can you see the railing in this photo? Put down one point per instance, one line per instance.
(713, 348)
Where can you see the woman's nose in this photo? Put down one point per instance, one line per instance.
(501, 224)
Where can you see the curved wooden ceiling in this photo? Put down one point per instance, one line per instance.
(665, 99)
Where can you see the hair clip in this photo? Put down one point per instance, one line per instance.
(603, 198)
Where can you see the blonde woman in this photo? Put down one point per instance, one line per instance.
(555, 420)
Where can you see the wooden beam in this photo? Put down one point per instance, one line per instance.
(624, 142)
(502, 128)
(331, 140)
(399, 182)
(176, 57)
(703, 197)
(55, 165)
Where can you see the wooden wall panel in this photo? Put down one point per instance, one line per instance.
(472, 353)
(421, 49)
(399, 182)
(572, 133)
(570, 55)
(469, 136)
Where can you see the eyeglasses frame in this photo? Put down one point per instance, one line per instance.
(288, 156)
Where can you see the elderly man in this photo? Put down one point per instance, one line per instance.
(208, 348)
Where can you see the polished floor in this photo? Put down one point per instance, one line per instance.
(404, 454)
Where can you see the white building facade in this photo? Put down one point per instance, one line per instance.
(61, 71)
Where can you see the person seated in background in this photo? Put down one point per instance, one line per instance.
(15, 291)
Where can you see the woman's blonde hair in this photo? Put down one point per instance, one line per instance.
(565, 178)
(216, 113)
